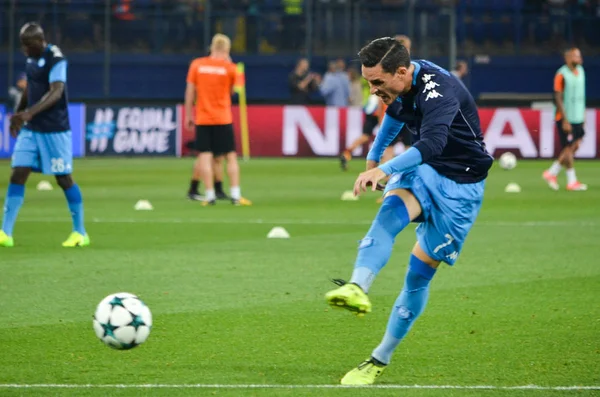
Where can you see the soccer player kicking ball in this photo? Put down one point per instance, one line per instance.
(439, 183)
(44, 135)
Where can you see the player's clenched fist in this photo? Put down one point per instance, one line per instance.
(368, 178)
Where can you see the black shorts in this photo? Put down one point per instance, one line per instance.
(370, 123)
(576, 134)
(404, 136)
(216, 139)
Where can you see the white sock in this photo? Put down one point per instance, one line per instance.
(555, 168)
(209, 195)
(571, 177)
(236, 193)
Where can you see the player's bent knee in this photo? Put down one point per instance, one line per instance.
(19, 175)
(410, 201)
(422, 255)
(64, 181)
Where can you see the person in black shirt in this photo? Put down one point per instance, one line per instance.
(302, 83)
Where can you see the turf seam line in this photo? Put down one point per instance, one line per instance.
(303, 222)
(283, 386)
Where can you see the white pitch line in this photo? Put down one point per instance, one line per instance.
(258, 386)
(300, 222)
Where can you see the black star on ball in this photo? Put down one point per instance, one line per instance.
(116, 301)
(136, 322)
(108, 329)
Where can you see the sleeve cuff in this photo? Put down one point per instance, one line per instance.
(409, 159)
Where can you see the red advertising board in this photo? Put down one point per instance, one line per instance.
(310, 131)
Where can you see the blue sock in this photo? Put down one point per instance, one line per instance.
(73, 195)
(12, 204)
(408, 307)
(375, 249)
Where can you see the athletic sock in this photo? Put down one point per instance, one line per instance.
(555, 168)
(12, 204)
(75, 201)
(210, 195)
(376, 247)
(219, 186)
(410, 304)
(571, 176)
(194, 186)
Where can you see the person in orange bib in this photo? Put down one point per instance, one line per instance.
(210, 84)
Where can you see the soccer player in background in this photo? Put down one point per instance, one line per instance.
(41, 126)
(218, 163)
(371, 107)
(194, 192)
(438, 182)
(210, 83)
(569, 98)
(461, 70)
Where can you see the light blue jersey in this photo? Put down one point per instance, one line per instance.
(45, 143)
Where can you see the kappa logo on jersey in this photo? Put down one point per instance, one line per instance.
(430, 86)
(427, 77)
(432, 94)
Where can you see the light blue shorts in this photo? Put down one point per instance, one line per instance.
(449, 210)
(48, 153)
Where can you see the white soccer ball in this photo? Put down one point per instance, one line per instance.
(508, 161)
(122, 321)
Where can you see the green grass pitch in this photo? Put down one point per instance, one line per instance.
(232, 307)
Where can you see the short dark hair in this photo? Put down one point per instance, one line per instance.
(33, 30)
(387, 51)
